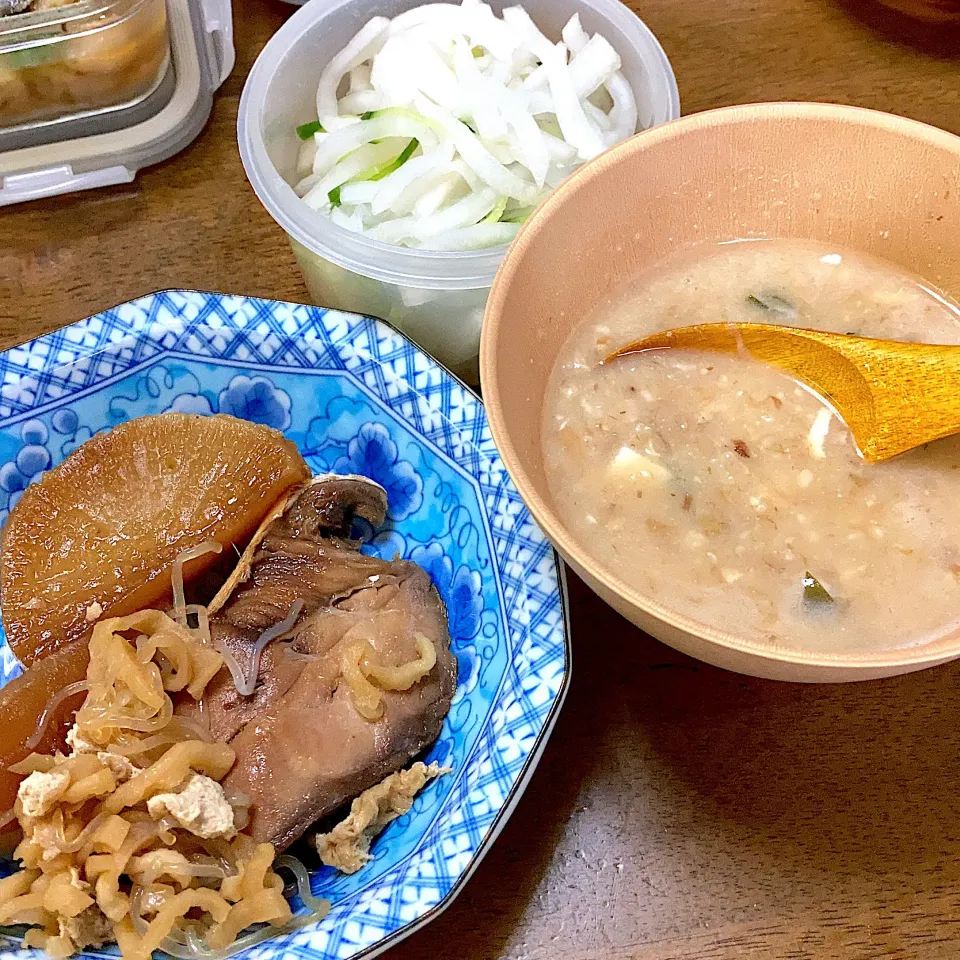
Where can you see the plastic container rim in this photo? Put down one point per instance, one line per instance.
(430, 269)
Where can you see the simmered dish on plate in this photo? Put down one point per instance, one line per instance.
(181, 722)
(733, 495)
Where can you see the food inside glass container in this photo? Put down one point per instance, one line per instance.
(189, 710)
(9, 8)
(734, 495)
(58, 59)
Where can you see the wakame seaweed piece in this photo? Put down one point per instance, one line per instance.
(814, 591)
(772, 303)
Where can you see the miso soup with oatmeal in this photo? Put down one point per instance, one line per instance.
(733, 495)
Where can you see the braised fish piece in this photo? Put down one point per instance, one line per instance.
(303, 746)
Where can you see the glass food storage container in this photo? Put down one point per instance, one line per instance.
(92, 91)
(61, 58)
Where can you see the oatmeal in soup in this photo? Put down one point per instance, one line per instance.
(733, 495)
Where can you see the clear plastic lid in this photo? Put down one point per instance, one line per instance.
(165, 101)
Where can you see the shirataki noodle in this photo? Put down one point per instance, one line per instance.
(99, 863)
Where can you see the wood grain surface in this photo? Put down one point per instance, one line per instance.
(679, 812)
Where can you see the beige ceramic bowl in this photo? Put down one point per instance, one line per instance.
(848, 177)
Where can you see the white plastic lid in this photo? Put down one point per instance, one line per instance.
(202, 57)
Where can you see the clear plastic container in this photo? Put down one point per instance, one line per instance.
(436, 298)
(80, 56)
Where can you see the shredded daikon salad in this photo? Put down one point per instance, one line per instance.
(444, 127)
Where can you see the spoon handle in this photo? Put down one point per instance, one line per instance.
(915, 394)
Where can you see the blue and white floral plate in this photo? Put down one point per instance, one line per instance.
(357, 398)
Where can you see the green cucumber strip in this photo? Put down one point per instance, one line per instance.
(497, 212)
(306, 130)
(404, 112)
(517, 216)
(551, 127)
(379, 172)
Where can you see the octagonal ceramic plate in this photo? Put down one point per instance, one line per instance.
(357, 398)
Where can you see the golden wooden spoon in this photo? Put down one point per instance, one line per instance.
(893, 396)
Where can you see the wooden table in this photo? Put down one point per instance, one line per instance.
(679, 811)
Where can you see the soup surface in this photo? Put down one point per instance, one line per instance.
(733, 495)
